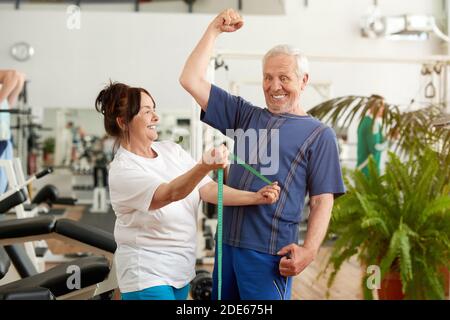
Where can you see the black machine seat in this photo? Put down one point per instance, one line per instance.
(27, 294)
(13, 200)
(16, 228)
(21, 260)
(93, 270)
(5, 262)
(87, 234)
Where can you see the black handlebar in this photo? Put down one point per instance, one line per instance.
(16, 111)
(44, 173)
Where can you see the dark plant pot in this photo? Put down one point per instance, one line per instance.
(391, 287)
(446, 273)
(48, 159)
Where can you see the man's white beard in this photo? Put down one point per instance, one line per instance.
(281, 109)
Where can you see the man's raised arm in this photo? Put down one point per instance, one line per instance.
(193, 78)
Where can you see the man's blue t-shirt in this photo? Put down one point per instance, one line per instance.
(299, 152)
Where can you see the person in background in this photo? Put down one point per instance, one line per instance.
(371, 141)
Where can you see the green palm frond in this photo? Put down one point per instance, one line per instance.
(415, 128)
(393, 250)
(350, 108)
(376, 223)
(405, 259)
(429, 278)
(439, 205)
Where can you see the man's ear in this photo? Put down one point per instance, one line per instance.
(305, 80)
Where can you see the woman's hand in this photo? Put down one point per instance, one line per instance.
(268, 194)
(216, 158)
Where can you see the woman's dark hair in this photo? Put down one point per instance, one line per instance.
(118, 100)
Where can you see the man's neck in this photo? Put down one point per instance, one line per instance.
(298, 111)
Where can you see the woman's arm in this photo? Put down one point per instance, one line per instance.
(182, 186)
(234, 197)
(178, 188)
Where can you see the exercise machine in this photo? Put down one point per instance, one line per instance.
(96, 273)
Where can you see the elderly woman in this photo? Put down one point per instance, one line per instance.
(155, 191)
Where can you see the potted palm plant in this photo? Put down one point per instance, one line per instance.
(48, 150)
(399, 220)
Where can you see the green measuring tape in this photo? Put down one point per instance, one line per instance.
(219, 231)
(249, 168)
(220, 215)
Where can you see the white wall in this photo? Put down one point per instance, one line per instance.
(200, 6)
(149, 49)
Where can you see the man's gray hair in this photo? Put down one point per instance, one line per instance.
(302, 61)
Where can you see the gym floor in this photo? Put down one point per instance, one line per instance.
(306, 286)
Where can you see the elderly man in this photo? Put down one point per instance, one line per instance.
(11, 84)
(261, 251)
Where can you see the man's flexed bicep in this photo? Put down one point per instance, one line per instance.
(200, 92)
(193, 77)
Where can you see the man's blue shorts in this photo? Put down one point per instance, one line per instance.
(158, 293)
(250, 275)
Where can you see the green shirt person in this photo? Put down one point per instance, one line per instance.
(370, 136)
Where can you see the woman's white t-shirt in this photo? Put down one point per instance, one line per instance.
(154, 247)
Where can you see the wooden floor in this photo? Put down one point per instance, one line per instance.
(347, 285)
(307, 286)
